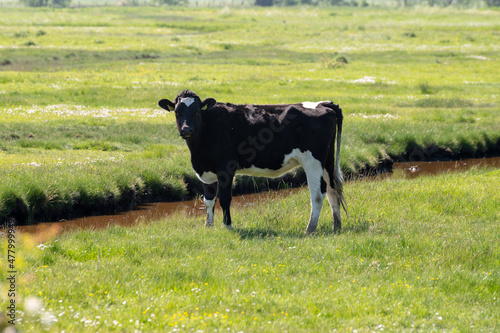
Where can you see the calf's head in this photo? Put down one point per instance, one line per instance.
(188, 108)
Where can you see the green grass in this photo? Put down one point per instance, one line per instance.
(414, 255)
(80, 129)
(416, 83)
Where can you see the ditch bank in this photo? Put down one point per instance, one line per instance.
(50, 209)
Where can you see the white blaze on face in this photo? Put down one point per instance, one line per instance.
(187, 101)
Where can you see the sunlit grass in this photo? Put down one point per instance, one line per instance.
(416, 254)
(88, 88)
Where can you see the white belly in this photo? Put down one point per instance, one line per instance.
(289, 163)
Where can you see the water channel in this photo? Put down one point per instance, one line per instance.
(154, 211)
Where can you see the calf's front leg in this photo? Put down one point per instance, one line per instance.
(210, 197)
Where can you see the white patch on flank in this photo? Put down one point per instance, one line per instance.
(207, 177)
(311, 105)
(187, 101)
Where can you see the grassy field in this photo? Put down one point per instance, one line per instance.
(80, 132)
(420, 255)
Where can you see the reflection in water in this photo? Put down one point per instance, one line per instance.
(155, 211)
(415, 169)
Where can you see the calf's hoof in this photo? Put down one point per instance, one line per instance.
(310, 231)
(337, 225)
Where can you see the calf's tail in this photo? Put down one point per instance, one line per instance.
(333, 160)
(339, 179)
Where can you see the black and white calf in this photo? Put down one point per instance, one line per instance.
(265, 141)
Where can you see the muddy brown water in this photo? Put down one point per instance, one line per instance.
(155, 211)
(415, 169)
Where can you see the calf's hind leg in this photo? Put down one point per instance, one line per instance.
(317, 189)
(334, 201)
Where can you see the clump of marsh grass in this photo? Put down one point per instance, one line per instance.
(340, 61)
(425, 88)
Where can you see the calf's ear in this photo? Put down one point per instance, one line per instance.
(208, 103)
(166, 104)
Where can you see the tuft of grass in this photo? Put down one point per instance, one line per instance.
(21, 34)
(425, 88)
(338, 62)
(36, 199)
(11, 203)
